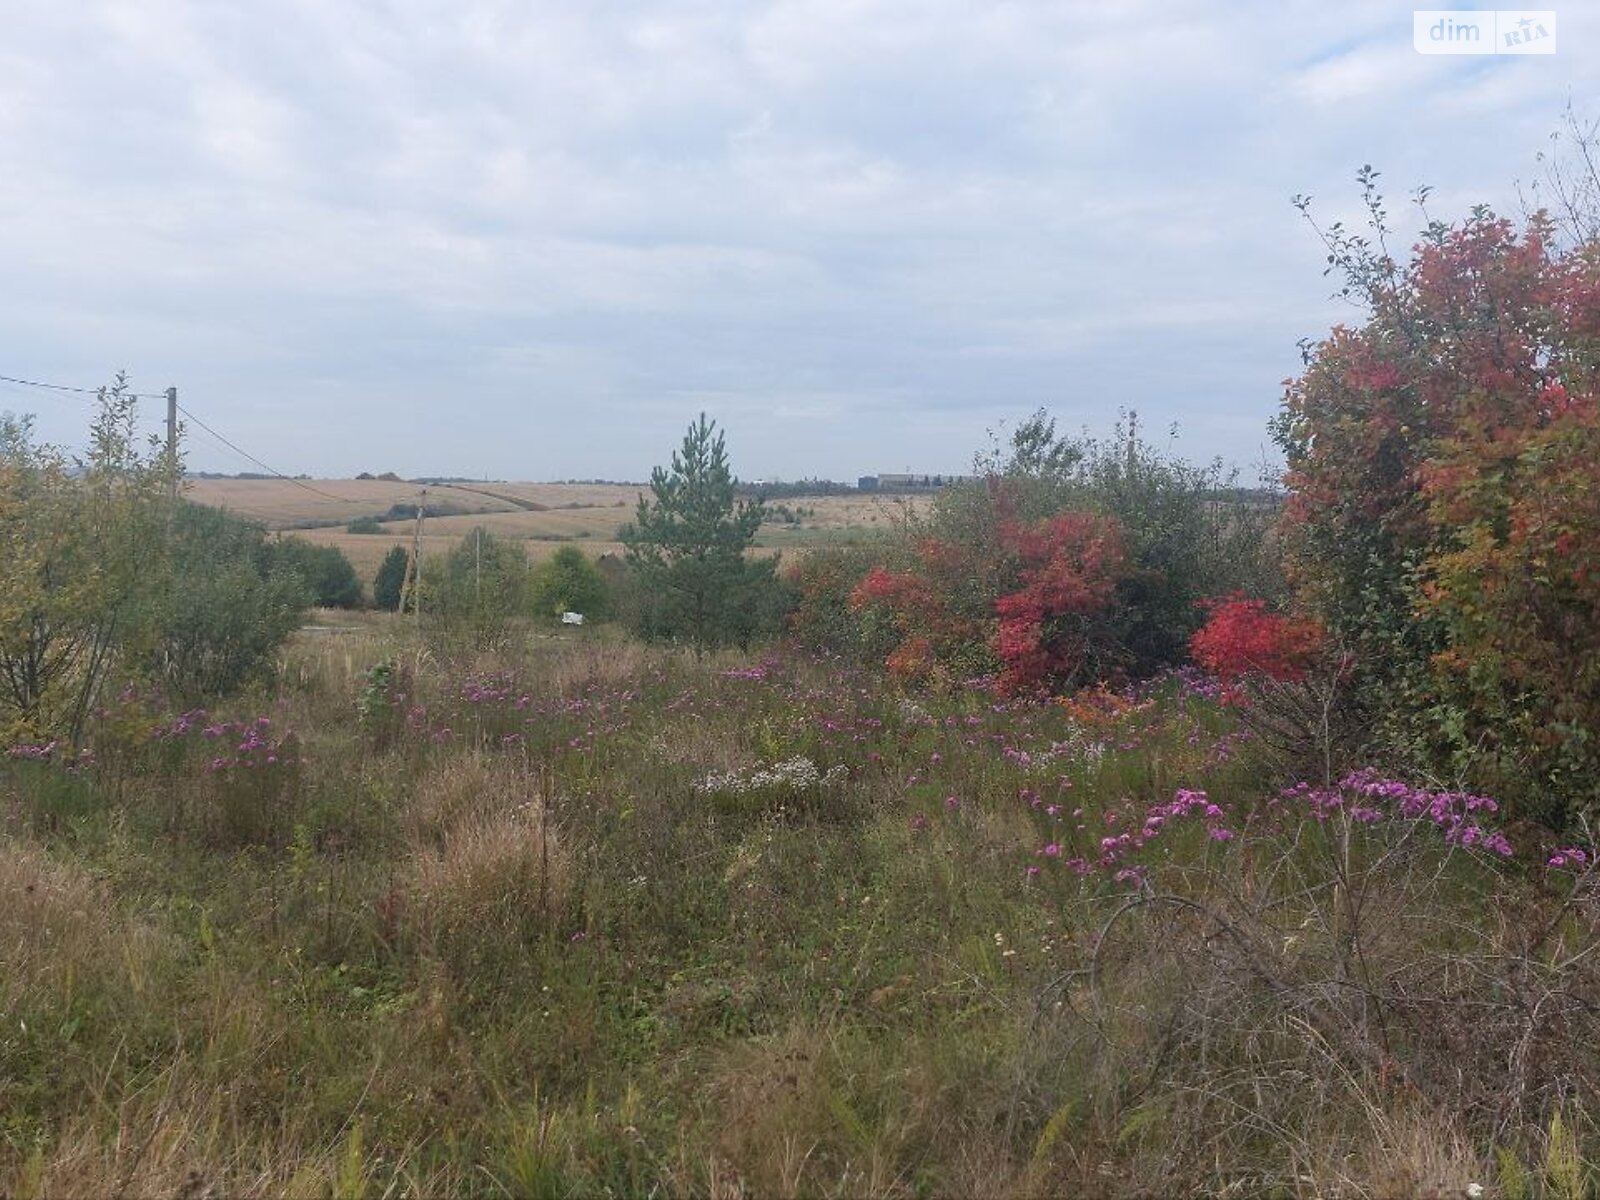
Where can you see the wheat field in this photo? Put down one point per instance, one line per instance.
(543, 516)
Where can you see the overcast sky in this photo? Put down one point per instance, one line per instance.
(531, 240)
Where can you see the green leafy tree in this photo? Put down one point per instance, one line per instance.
(390, 579)
(569, 582)
(327, 572)
(476, 591)
(687, 546)
(78, 550)
(226, 607)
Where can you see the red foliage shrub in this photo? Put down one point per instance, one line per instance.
(1444, 516)
(1018, 603)
(1242, 638)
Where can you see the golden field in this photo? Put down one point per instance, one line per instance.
(543, 516)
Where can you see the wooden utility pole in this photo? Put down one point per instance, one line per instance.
(172, 443)
(412, 588)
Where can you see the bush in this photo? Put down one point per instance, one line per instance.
(390, 579)
(1444, 465)
(1023, 604)
(568, 582)
(326, 571)
(822, 620)
(1065, 561)
(79, 552)
(474, 593)
(1189, 531)
(364, 525)
(230, 605)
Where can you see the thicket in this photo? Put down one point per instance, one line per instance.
(474, 594)
(232, 602)
(105, 580)
(568, 581)
(1066, 561)
(1443, 519)
(329, 575)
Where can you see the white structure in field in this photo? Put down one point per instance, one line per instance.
(571, 618)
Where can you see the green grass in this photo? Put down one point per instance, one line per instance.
(533, 956)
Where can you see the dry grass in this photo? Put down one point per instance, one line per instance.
(59, 931)
(495, 867)
(872, 1001)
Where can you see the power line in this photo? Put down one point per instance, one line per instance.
(245, 454)
(299, 483)
(82, 391)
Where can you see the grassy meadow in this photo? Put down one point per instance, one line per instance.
(584, 917)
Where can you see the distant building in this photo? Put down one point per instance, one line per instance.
(888, 481)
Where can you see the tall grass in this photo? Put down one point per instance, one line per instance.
(571, 920)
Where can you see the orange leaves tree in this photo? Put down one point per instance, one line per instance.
(1444, 512)
(1021, 606)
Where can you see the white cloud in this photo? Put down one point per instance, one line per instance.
(438, 226)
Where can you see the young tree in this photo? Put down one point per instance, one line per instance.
(79, 549)
(569, 582)
(687, 546)
(390, 579)
(476, 591)
(223, 611)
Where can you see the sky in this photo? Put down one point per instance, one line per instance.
(532, 240)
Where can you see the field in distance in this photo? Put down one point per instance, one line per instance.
(544, 516)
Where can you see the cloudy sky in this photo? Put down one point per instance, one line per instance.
(531, 239)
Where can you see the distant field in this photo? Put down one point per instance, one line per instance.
(543, 516)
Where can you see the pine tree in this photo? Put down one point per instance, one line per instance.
(391, 577)
(687, 547)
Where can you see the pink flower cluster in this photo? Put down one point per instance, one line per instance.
(53, 753)
(1366, 797)
(1117, 850)
(44, 752)
(493, 689)
(252, 744)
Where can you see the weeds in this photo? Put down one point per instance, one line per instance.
(596, 919)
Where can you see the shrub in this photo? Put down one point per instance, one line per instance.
(568, 582)
(390, 580)
(78, 551)
(477, 590)
(230, 606)
(822, 619)
(1188, 531)
(1242, 638)
(364, 525)
(325, 569)
(1444, 466)
(1022, 604)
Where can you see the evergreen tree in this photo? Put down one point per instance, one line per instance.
(390, 579)
(687, 546)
